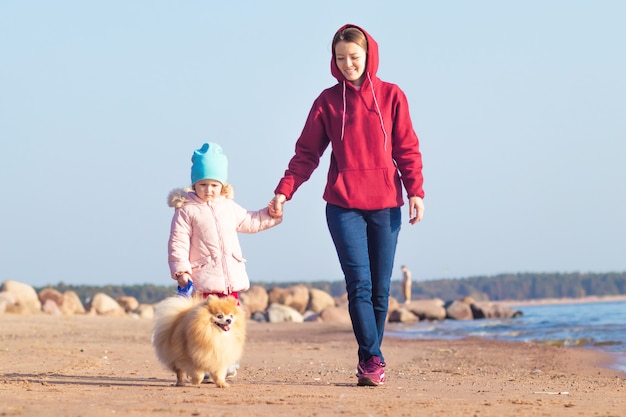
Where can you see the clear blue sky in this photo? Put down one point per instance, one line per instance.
(520, 108)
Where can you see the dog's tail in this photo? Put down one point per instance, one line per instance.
(166, 312)
(172, 307)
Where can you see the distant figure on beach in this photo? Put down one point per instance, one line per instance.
(406, 284)
(375, 151)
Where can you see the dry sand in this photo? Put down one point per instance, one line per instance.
(103, 366)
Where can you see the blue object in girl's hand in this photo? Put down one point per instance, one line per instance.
(187, 291)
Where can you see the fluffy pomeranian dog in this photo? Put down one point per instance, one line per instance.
(192, 336)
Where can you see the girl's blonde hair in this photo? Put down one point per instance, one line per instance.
(227, 190)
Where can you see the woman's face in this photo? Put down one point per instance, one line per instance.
(350, 59)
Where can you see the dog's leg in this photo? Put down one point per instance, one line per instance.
(220, 378)
(197, 377)
(180, 377)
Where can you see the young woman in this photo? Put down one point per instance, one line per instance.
(375, 151)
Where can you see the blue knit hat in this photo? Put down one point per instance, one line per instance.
(209, 163)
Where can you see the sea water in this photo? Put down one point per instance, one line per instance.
(597, 325)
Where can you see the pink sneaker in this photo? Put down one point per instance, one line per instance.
(371, 372)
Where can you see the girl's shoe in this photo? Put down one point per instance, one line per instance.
(230, 373)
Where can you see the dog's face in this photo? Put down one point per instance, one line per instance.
(223, 311)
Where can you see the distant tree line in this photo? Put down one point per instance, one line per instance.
(520, 286)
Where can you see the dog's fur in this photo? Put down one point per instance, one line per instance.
(192, 336)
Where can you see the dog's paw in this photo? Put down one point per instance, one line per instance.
(222, 384)
(197, 378)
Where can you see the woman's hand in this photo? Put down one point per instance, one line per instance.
(416, 209)
(276, 205)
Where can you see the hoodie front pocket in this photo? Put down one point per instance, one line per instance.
(357, 184)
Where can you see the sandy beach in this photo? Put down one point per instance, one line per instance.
(103, 366)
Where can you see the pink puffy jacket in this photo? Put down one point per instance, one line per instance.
(203, 240)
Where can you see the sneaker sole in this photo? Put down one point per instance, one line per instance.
(368, 382)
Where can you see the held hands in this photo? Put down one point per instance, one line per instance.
(416, 209)
(276, 205)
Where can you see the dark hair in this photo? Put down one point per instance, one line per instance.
(351, 34)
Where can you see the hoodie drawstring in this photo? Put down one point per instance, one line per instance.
(343, 115)
(380, 116)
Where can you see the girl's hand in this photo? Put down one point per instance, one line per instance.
(276, 205)
(183, 279)
(416, 209)
(187, 289)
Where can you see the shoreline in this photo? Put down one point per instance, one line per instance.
(549, 301)
(97, 366)
(618, 358)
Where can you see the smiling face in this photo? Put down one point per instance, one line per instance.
(224, 312)
(207, 190)
(350, 59)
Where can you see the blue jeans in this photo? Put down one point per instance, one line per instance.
(366, 243)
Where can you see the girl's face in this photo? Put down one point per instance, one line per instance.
(207, 190)
(350, 59)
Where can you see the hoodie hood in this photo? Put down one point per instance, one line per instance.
(369, 79)
(371, 66)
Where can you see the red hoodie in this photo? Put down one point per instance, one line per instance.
(374, 147)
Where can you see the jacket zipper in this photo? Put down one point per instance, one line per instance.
(227, 284)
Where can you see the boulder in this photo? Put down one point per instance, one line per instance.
(393, 304)
(144, 311)
(26, 299)
(491, 310)
(278, 313)
(402, 315)
(459, 310)
(320, 300)
(128, 303)
(50, 307)
(7, 301)
(68, 303)
(51, 294)
(259, 316)
(336, 315)
(255, 299)
(7, 297)
(311, 316)
(296, 297)
(432, 309)
(105, 305)
(72, 304)
(342, 299)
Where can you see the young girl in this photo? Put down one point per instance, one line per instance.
(375, 152)
(203, 245)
